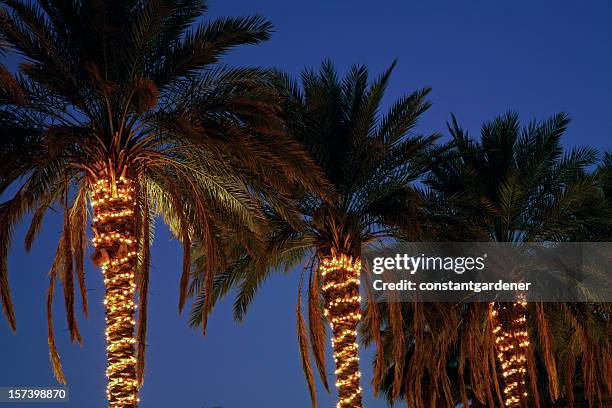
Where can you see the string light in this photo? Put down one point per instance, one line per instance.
(119, 214)
(113, 237)
(511, 342)
(114, 206)
(343, 310)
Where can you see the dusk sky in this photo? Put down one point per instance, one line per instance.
(480, 58)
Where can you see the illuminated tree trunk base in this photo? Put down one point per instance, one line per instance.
(511, 341)
(340, 276)
(115, 243)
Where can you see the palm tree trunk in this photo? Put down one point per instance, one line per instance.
(511, 341)
(114, 230)
(340, 274)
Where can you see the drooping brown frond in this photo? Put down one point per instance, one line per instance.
(396, 322)
(38, 184)
(316, 325)
(68, 273)
(53, 353)
(143, 284)
(488, 355)
(210, 248)
(548, 352)
(302, 336)
(141, 334)
(374, 323)
(79, 244)
(477, 351)
(607, 364)
(186, 266)
(36, 223)
(5, 294)
(570, 370)
(6, 227)
(463, 355)
(414, 394)
(533, 376)
(434, 351)
(183, 216)
(586, 350)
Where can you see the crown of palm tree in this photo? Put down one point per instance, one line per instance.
(126, 90)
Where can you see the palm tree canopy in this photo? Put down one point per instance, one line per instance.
(369, 158)
(515, 184)
(112, 89)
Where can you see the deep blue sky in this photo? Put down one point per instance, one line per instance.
(481, 58)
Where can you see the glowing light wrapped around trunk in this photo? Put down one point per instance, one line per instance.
(115, 252)
(511, 341)
(340, 276)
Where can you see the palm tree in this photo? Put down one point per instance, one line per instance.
(515, 185)
(124, 106)
(527, 191)
(371, 160)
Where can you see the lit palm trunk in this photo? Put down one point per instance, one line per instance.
(115, 243)
(340, 276)
(511, 340)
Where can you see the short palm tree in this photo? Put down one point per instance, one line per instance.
(525, 189)
(515, 185)
(122, 105)
(371, 160)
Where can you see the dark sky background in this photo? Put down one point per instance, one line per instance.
(481, 58)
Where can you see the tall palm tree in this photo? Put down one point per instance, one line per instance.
(515, 185)
(371, 160)
(123, 105)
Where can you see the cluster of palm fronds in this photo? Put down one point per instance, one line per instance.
(128, 88)
(255, 172)
(513, 185)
